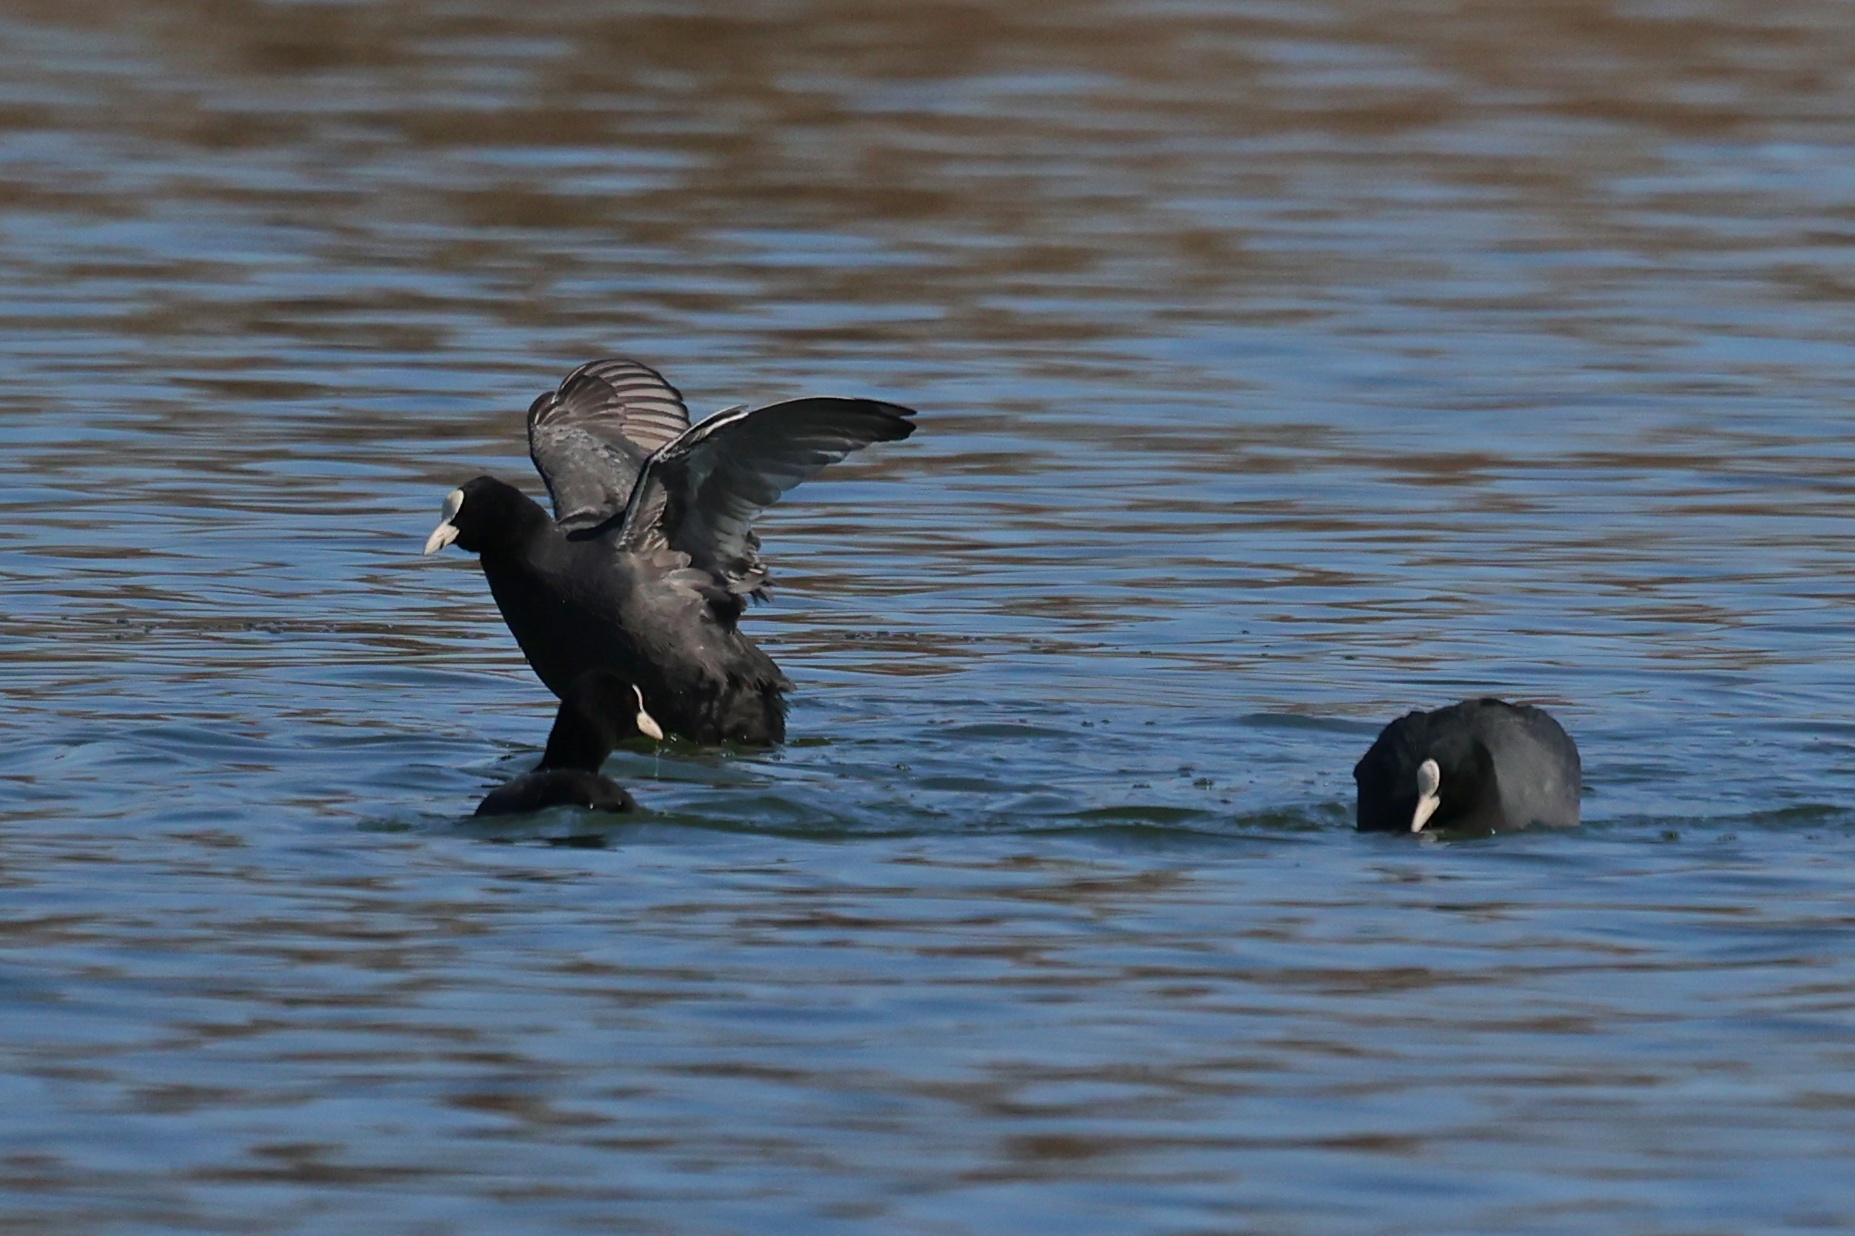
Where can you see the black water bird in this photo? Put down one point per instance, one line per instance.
(1481, 766)
(648, 562)
(599, 712)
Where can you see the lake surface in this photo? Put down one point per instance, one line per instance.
(1281, 367)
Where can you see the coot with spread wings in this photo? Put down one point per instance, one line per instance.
(645, 567)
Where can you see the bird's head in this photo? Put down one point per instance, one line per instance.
(476, 516)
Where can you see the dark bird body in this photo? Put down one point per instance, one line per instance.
(578, 605)
(643, 573)
(557, 787)
(597, 714)
(1482, 765)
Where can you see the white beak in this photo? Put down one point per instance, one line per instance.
(441, 536)
(1429, 781)
(446, 531)
(646, 723)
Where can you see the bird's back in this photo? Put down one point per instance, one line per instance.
(1535, 762)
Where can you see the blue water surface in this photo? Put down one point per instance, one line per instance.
(1280, 367)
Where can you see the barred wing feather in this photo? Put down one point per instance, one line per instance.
(590, 437)
(699, 494)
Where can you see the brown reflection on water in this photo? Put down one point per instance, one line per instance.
(1199, 159)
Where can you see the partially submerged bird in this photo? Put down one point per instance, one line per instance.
(597, 714)
(1482, 766)
(646, 566)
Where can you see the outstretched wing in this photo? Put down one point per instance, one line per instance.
(699, 495)
(589, 439)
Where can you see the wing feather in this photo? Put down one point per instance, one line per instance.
(590, 437)
(699, 495)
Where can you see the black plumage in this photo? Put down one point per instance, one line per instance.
(646, 567)
(1481, 766)
(598, 713)
(557, 787)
